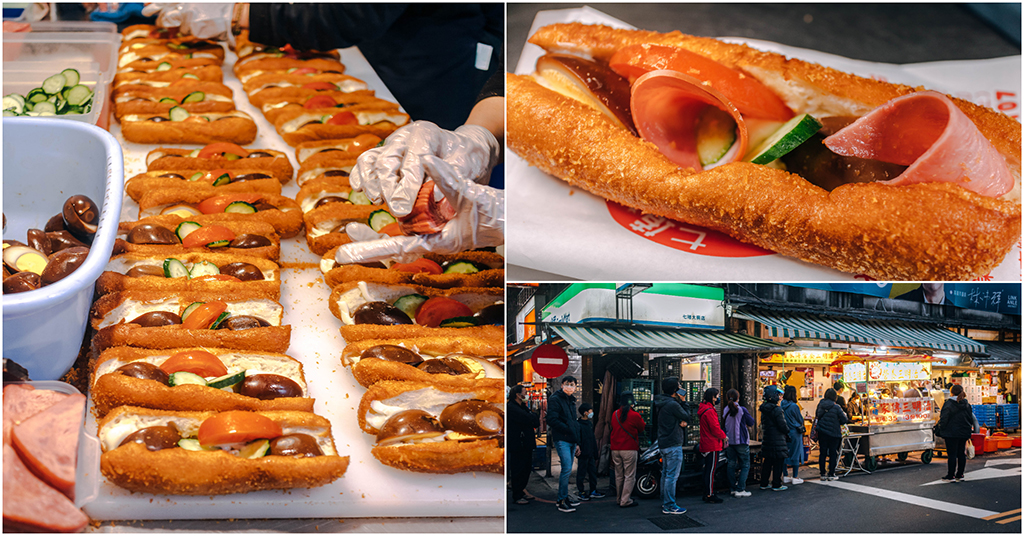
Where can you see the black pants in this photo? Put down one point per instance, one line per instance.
(710, 465)
(771, 468)
(956, 456)
(587, 467)
(520, 465)
(828, 445)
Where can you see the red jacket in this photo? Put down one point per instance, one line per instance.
(634, 425)
(711, 433)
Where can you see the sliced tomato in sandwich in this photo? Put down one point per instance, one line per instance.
(438, 309)
(218, 203)
(237, 427)
(220, 148)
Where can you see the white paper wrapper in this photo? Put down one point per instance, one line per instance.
(556, 228)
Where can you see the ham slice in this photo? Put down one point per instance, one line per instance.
(29, 504)
(927, 132)
(429, 214)
(22, 401)
(666, 107)
(48, 442)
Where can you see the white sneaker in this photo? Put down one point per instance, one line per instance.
(787, 480)
(734, 493)
(742, 494)
(796, 481)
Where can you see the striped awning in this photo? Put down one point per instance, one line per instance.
(1000, 353)
(895, 333)
(596, 340)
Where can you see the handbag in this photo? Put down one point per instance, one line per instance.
(970, 450)
(814, 430)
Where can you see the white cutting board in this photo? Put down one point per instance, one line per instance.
(368, 489)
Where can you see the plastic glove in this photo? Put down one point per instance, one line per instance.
(394, 173)
(205, 21)
(479, 222)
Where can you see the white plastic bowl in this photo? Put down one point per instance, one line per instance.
(45, 162)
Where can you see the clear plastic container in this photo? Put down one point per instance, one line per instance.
(22, 76)
(67, 49)
(74, 26)
(45, 161)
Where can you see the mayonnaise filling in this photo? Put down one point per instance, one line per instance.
(308, 203)
(211, 116)
(129, 309)
(123, 265)
(428, 399)
(128, 96)
(364, 118)
(311, 174)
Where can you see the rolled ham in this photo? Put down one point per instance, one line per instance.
(927, 132)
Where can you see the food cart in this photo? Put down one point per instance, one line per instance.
(887, 425)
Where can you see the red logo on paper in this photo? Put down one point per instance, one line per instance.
(682, 236)
(549, 361)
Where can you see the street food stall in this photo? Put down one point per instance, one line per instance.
(887, 424)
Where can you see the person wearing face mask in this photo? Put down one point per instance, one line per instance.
(522, 440)
(565, 436)
(712, 441)
(587, 466)
(672, 418)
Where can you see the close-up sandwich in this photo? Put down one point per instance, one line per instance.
(207, 73)
(466, 269)
(275, 86)
(353, 146)
(855, 174)
(221, 156)
(179, 126)
(426, 359)
(198, 99)
(310, 124)
(171, 234)
(287, 64)
(215, 453)
(160, 50)
(213, 182)
(189, 271)
(326, 224)
(280, 211)
(273, 108)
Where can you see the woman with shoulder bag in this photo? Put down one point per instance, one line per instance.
(737, 419)
(795, 420)
(627, 425)
(522, 440)
(955, 427)
(774, 442)
(830, 419)
(712, 440)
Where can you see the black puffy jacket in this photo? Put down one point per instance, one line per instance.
(830, 418)
(522, 424)
(774, 442)
(955, 419)
(561, 418)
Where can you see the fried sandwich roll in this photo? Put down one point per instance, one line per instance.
(207, 73)
(168, 50)
(251, 53)
(147, 31)
(341, 164)
(190, 271)
(276, 85)
(139, 100)
(245, 320)
(404, 311)
(181, 127)
(911, 231)
(425, 360)
(287, 64)
(211, 453)
(221, 156)
(281, 212)
(214, 182)
(325, 225)
(185, 64)
(325, 189)
(273, 108)
(435, 429)
(303, 125)
(190, 379)
(467, 269)
(354, 146)
(486, 348)
(172, 234)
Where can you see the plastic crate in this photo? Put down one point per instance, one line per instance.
(46, 161)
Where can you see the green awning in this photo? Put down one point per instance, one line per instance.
(598, 340)
(883, 332)
(999, 353)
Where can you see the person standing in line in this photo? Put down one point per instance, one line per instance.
(795, 421)
(627, 425)
(774, 444)
(955, 426)
(587, 465)
(672, 418)
(737, 419)
(522, 441)
(838, 386)
(831, 418)
(565, 434)
(712, 440)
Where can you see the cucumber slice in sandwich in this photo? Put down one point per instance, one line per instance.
(188, 310)
(185, 378)
(380, 219)
(793, 133)
(254, 450)
(203, 268)
(716, 134)
(228, 380)
(173, 268)
(461, 267)
(410, 303)
(178, 114)
(357, 197)
(185, 228)
(192, 444)
(240, 207)
(195, 96)
(164, 66)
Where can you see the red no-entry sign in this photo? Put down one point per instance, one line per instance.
(549, 361)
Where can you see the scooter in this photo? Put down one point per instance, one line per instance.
(649, 467)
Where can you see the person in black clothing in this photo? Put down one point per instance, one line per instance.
(830, 419)
(955, 426)
(565, 437)
(671, 419)
(838, 386)
(521, 442)
(587, 465)
(775, 441)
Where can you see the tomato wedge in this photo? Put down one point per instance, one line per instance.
(749, 96)
(218, 149)
(218, 203)
(320, 86)
(418, 266)
(195, 119)
(237, 427)
(392, 229)
(216, 277)
(319, 101)
(204, 315)
(343, 118)
(198, 362)
(437, 310)
(306, 70)
(208, 234)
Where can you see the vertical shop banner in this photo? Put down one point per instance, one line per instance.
(664, 304)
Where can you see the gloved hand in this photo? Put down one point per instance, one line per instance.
(394, 173)
(205, 21)
(479, 222)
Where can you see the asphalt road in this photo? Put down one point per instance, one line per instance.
(896, 498)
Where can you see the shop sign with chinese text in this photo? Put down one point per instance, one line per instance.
(897, 410)
(880, 371)
(664, 304)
